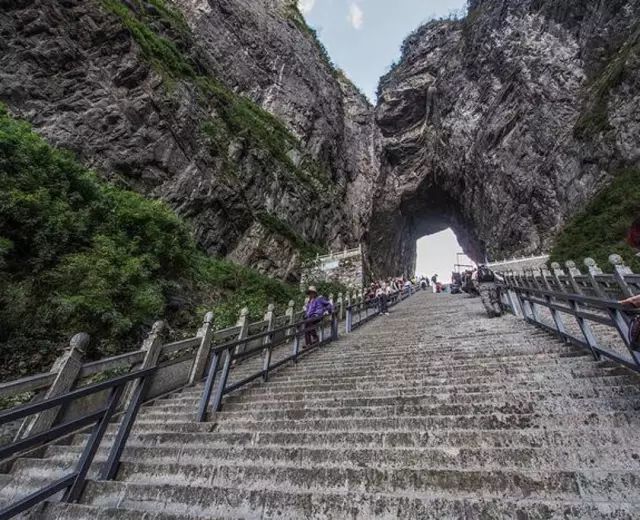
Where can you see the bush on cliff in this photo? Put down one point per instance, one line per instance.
(79, 254)
(601, 228)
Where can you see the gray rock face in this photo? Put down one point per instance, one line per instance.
(500, 125)
(79, 73)
(503, 124)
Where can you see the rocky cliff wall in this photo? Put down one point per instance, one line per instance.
(503, 124)
(177, 100)
(500, 125)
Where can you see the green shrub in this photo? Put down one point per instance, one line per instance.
(79, 254)
(595, 118)
(600, 229)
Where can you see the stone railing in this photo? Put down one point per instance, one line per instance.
(340, 255)
(582, 308)
(180, 363)
(520, 264)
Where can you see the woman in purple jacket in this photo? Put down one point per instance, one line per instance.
(317, 307)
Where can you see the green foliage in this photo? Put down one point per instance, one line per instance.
(161, 52)
(79, 254)
(327, 288)
(595, 118)
(274, 224)
(235, 115)
(600, 230)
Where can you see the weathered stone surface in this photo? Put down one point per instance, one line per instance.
(435, 411)
(500, 125)
(79, 76)
(490, 124)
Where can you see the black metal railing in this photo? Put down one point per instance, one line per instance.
(147, 380)
(362, 312)
(233, 352)
(73, 483)
(590, 301)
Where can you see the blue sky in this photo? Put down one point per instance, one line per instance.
(363, 37)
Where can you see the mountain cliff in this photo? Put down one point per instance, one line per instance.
(262, 147)
(503, 124)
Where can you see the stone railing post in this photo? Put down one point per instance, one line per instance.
(67, 367)
(340, 307)
(555, 314)
(243, 323)
(269, 317)
(152, 346)
(620, 270)
(290, 314)
(205, 333)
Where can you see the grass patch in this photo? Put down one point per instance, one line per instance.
(600, 229)
(78, 254)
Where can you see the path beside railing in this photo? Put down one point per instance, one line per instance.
(583, 309)
(226, 360)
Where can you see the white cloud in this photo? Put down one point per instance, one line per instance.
(356, 16)
(306, 5)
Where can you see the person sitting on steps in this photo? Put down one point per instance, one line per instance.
(317, 307)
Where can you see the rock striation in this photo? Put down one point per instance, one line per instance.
(502, 124)
(176, 100)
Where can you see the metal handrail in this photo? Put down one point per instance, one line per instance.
(73, 483)
(230, 352)
(524, 294)
(134, 386)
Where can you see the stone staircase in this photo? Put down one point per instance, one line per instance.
(433, 412)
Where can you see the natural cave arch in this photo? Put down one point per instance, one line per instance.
(396, 226)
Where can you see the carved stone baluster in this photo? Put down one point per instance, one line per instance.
(67, 367)
(269, 317)
(205, 333)
(243, 323)
(620, 270)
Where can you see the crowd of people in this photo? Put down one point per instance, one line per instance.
(480, 281)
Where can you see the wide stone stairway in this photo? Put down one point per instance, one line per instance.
(432, 412)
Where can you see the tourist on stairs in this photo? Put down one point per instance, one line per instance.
(486, 280)
(317, 307)
(382, 295)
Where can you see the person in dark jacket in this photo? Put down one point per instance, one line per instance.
(317, 307)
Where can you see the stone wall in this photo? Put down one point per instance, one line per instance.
(346, 268)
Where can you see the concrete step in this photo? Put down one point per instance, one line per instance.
(619, 458)
(263, 392)
(249, 402)
(424, 407)
(556, 381)
(587, 439)
(495, 421)
(424, 371)
(518, 395)
(224, 503)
